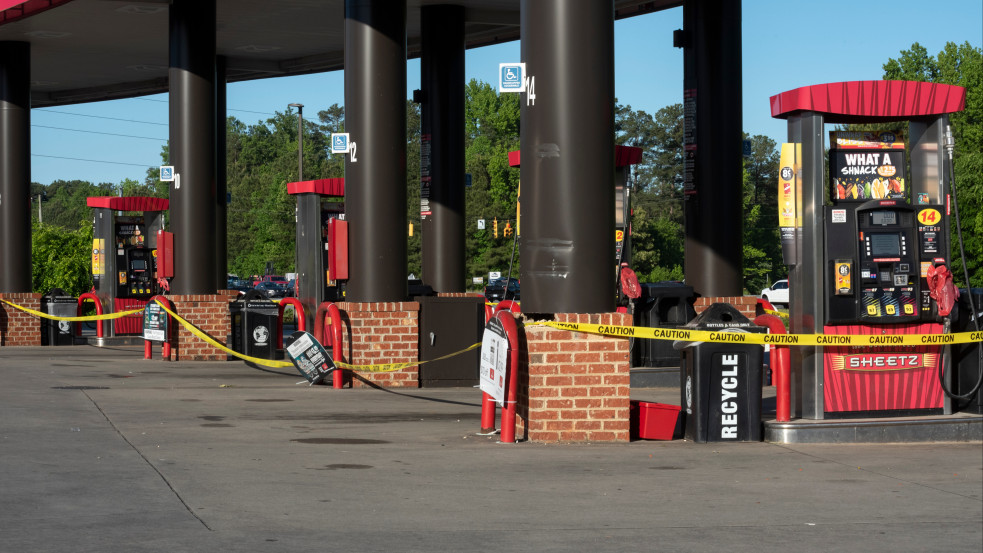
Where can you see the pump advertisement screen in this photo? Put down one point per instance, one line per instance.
(863, 175)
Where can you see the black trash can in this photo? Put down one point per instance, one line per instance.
(59, 304)
(721, 382)
(254, 325)
(666, 304)
(966, 357)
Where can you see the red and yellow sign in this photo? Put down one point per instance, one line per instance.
(929, 217)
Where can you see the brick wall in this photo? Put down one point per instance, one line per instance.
(210, 313)
(744, 304)
(18, 328)
(382, 332)
(574, 386)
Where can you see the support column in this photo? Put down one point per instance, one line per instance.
(15, 167)
(714, 165)
(567, 145)
(221, 206)
(442, 186)
(806, 278)
(375, 118)
(192, 145)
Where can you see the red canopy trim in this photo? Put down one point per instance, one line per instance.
(623, 156)
(324, 187)
(11, 10)
(848, 102)
(128, 203)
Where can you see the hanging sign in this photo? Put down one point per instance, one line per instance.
(494, 360)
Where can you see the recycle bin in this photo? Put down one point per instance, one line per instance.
(721, 382)
(665, 304)
(254, 325)
(59, 304)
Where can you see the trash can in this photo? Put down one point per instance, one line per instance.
(966, 357)
(254, 325)
(59, 304)
(721, 382)
(666, 304)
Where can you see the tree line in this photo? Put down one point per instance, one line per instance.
(262, 159)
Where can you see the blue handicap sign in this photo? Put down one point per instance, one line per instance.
(511, 78)
(339, 143)
(166, 173)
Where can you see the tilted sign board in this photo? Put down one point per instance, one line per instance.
(494, 360)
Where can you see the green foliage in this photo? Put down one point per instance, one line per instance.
(61, 258)
(958, 65)
(491, 123)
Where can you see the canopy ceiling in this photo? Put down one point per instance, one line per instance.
(90, 50)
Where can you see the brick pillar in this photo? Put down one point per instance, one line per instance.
(744, 304)
(210, 313)
(382, 332)
(19, 328)
(574, 386)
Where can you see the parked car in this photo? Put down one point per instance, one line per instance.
(272, 289)
(239, 284)
(496, 291)
(777, 294)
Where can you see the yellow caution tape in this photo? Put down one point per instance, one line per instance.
(212, 341)
(384, 367)
(86, 318)
(776, 313)
(731, 337)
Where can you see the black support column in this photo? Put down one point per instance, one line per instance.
(713, 134)
(221, 206)
(442, 186)
(192, 145)
(15, 167)
(567, 145)
(375, 118)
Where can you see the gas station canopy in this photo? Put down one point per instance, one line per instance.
(92, 50)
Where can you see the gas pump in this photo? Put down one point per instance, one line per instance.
(124, 261)
(864, 244)
(322, 242)
(878, 252)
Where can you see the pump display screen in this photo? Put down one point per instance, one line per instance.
(885, 245)
(138, 265)
(883, 218)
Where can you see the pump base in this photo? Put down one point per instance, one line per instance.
(111, 341)
(960, 427)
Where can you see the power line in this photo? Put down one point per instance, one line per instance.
(96, 160)
(103, 117)
(99, 132)
(226, 109)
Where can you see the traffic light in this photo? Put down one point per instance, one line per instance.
(495, 227)
(507, 231)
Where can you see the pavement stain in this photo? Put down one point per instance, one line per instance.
(344, 466)
(339, 441)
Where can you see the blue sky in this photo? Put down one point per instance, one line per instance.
(786, 44)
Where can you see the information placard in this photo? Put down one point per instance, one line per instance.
(309, 356)
(154, 323)
(494, 360)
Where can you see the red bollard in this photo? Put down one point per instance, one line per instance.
(95, 299)
(325, 311)
(780, 368)
(298, 312)
(511, 378)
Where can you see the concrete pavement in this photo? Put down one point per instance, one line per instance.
(101, 450)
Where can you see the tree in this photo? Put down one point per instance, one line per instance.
(61, 258)
(958, 65)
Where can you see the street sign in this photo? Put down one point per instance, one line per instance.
(167, 173)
